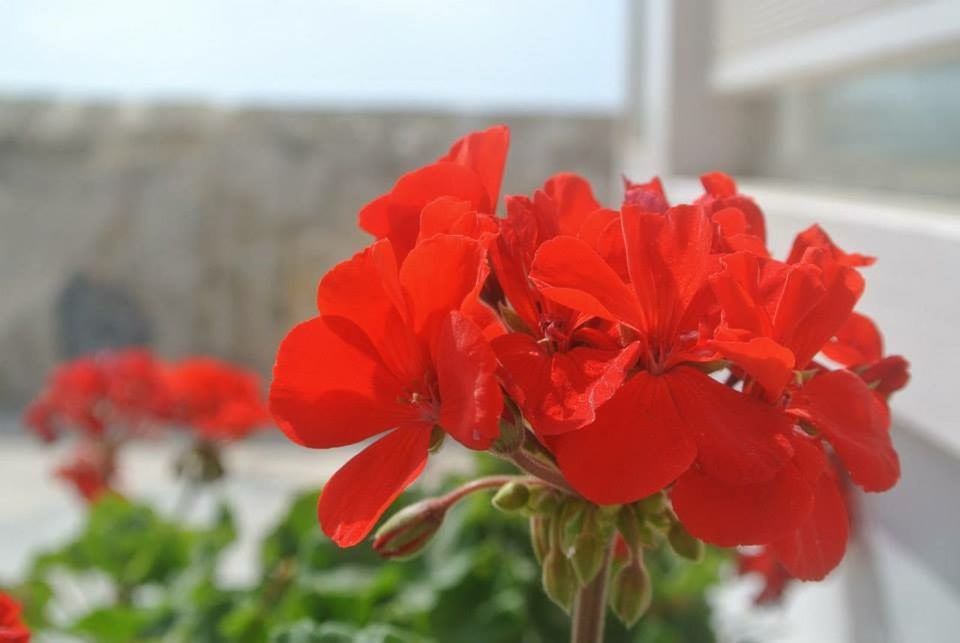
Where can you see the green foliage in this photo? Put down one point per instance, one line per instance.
(478, 581)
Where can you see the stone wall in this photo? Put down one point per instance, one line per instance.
(209, 226)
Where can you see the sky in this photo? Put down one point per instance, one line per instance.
(460, 54)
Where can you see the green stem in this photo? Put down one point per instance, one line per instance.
(590, 606)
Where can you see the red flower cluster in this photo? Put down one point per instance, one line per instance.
(109, 398)
(651, 347)
(219, 401)
(12, 628)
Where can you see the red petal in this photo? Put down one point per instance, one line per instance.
(826, 317)
(855, 421)
(486, 154)
(330, 387)
(397, 214)
(668, 257)
(815, 237)
(366, 290)
(560, 392)
(754, 514)
(357, 495)
(736, 290)
(573, 274)
(857, 342)
(741, 439)
(887, 375)
(648, 196)
(818, 545)
(766, 360)
(447, 215)
(574, 200)
(470, 397)
(437, 276)
(802, 287)
(718, 184)
(637, 445)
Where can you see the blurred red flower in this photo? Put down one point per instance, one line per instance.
(12, 628)
(219, 401)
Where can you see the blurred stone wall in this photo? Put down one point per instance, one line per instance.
(209, 227)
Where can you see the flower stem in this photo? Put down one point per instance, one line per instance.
(480, 483)
(590, 606)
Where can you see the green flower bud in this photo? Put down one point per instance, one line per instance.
(653, 504)
(511, 497)
(589, 553)
(683, 544)
(569, 522)
(540, 536)
(631, 592)
(543, 501)
(559, 579)
(407, 532)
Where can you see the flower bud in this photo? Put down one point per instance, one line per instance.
(683, 544)
(511, 497)
(407, 532)
(540, 527)
(635, 531)
(653, 504)
(631, 592)
(589, 553)
(559, 579)
(543, 501)
(569, 522)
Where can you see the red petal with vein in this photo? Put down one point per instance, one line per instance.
(573, 274)
(365, 289)
(560, 392)
(330, 387)
(574, 200)
(799, 291)
(396, 215)
(818, 545)
(437, 276)
(668, 257)
(736, 287)
(637, 445)
(470, 397)
(486, 154)
(753, 514)
(856, 422)
(764, 359)
(827, 317)
(357, 495)
(741, 439)
(857, 342)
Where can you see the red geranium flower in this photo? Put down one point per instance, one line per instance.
(218, 400)
(669, 414)
(12, 628)
(557, 368)
(470, 172)
(390, 351)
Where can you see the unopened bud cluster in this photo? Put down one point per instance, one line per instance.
(572, 539)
